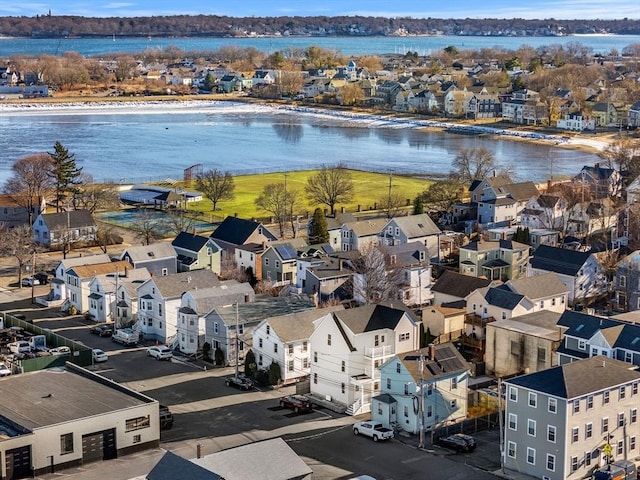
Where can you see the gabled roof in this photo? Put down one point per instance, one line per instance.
(236, 230)
(264, 307)
(147, 253)
(226, 293)
(539, 286)
(70, 219)
(447, 361)
(501, 297)
(596, 172)
(298, 326)
(582, 325)
(193, 242)
(367, 227)
(408, 254)
(579, 378)
(415, 226)
(84, 260)
(89, 271)
(374, 317)
(458, 285)
(172, 466)
(558, 260)
(520, 191)
(548, 201)
(173, 286)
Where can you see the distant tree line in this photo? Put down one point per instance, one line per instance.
(53, 26)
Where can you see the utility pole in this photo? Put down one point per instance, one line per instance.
(421, 403)
(33, 276)
(237, 340)
(500, 424)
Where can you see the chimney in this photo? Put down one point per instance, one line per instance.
(597, 165)
(432, 351)
(199, 450)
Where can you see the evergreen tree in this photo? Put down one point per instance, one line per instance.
(249, 363)
(209, 82)
(418, 205)
(318, 230)
(526, 236)
(274, 373)
(65, 174)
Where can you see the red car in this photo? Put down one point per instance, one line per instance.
(297, 403)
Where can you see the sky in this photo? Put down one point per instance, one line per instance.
(559, 9)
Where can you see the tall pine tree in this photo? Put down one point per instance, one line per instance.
(65, 174)
(318, 230)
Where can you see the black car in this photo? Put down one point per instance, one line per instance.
(458, 442)
(240, 382)
(101, 331)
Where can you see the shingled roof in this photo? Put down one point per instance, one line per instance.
(558, 260)
(172, 286)
(236, 230)
(458, 285)
(374, 317)
(446, 362)
(192, 242)
(70, 219)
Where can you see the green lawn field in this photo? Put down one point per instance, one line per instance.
(368, 189)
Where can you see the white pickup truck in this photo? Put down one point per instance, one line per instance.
(374, 430)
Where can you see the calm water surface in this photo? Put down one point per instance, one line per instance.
(142, 147)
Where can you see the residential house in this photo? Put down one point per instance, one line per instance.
(546, 291)
(248, 257)
(576, 122)
(627, 283)
(600, 182)
(537, 236)
(436, 376)
(425, 101)
(361, 234)
(412, 228)
(348, 347)
(159, 299)
(558, 420)
(329, 280)
(279, 264)
(285, 340)
(545, 211)
(264, 77)
(523, 344)
(231, 325)
(581, 272)
(195, 252)
(78, 278)
(57, 229)
(496, 260)
(234, 231)
(503, 204)
(197, 304)
(633, 116)
(534, 112)
(633, 191)
(334, 228)
(480, 189)
(309, 257)
(604, 114)
(13, 210)
(158, 258)
(445, 322)
(587, 218)
(513, 108)
(233, 82)
(126, 312)
(103, 292)
(454, 287)
(588, 335)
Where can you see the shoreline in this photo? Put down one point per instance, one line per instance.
(209, 104)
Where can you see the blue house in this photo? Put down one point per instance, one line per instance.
(627, 282)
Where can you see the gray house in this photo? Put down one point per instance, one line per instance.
(158, 258)
(627, 282)
(559, 420)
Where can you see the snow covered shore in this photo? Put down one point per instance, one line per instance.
(355, 119)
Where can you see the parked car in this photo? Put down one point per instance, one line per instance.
(126, 336)
(29, 282)
(4, 370)
(166, 418)
(64, 350)
(99, 355)
(21, 346)
(241, 382)
(160, 352)
(374, 430)
(297, 403)
(42, 277)
(101, 331)
(458, 442)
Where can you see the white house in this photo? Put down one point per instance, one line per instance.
(78, 278)
(285, 340)
(361, 234)
(348, 346)
(103, 290)
(58, 283)
(438, 374)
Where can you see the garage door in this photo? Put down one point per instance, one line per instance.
(99, 446)
(18, 462)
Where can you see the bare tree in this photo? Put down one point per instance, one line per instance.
(331, 185)
(107, 235)
(96, 196)
(176, 221)
(216, 186)
(472, 164)
(30, 181)
(147, 229)
(351, 94)
(623, 154)
(279, 202)
(392, 204)
(290, 82)
(376, 278)
(19, 244)
(441, 195)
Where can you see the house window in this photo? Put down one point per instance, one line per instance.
(137, 423)
(328, 339)
(343, 366)
(582, 345)
(268, 329)
(531, 427)
(388, 384)
(454, 383)
(542, 355)
(304, 346)
(531, 455)
(620, 447)
(404, 336)
(429, 411)
(576, 406)
(504, 315)
(551, 462)
(376, 341)
(241, 329)
(260, 360)
(137, 438)
(587, 458)
(290, 349)
(275, 348)
(553, 302)
(290, 365)
(511, 449)
(551, 433)
(165, 272)
(628, 357)
(632, 443)
(575, 434)
(513, 422)
(633, 415)
(315, 357)
(160, 309)
(260, 343)
(266, 262)
(453, 403)
(574, 463)
(605, 398)
(533, 399)
(623, 281)
(589, 402)
(398, 367)
(277, 264)
(588, 430)
(634, 388)
(66, 443)
(621, 420)
(553, 405)
(406, 411)
(513, 394)
(406, 389)
(315, 378)
(305, 363)
(605, 425)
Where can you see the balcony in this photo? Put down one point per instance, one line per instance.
(476, 320)
(380, 352)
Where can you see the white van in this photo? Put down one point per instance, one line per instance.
(21, 346)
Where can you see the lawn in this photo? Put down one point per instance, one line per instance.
(368, 189)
